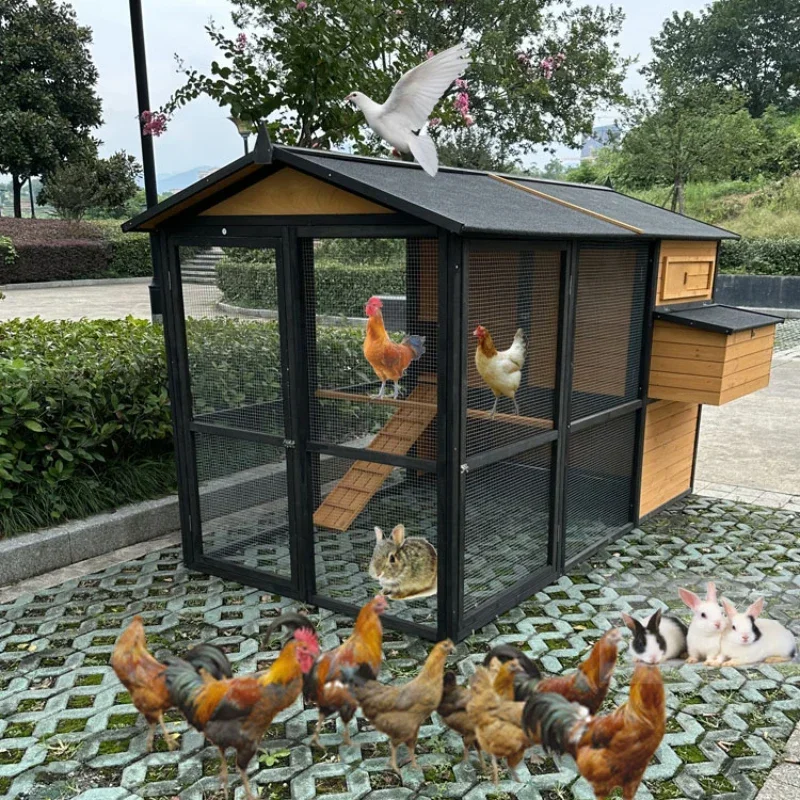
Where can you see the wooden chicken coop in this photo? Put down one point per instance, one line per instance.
(288, 459)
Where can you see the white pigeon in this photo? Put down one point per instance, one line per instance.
(411, 102)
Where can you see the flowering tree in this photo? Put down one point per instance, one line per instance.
(539, 70)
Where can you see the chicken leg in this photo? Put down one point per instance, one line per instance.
(397, 390)
(494, 408)
(167, 734)
(223, 773)
(381, 393)
(393, 758)
(248, 792)
(516, 407)
(315, 738)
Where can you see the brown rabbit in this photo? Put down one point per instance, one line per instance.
(405, 568)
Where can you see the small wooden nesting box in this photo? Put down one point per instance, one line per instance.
(289, 451)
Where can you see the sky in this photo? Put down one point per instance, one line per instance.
(200, 135)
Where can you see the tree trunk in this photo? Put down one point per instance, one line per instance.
(678, 196)
(16, 184)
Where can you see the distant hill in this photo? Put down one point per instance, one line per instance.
(174, 182)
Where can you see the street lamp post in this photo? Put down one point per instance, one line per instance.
(148, 154)
(245, 131)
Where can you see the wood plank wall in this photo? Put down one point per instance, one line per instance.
(685, 271)
(670, 431)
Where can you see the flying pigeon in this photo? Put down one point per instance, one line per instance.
(411, 102)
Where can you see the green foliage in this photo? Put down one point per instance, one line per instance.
(129, 253)
(8, 253)
(750, 46)
(473, 148)
(346, 275)
(48, 104)
(761, 257)
(296, 64)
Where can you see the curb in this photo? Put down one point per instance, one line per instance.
(10, 287)
(42, 551)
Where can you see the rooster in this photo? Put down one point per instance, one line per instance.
(236, 712)
(364, 646)
(611, 750)
(501, 370)
(399, 711)
(144, 676)
(389, 359)
(588, 686)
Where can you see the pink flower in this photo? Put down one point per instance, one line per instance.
(241, 41)
(461, 83)
(547, 66)
(430, 54)
(398, 13)
(523, 58)
(302, 5)
(434, 122)
(561, 58)
(461, 102)
(154, 123)
(468, 120)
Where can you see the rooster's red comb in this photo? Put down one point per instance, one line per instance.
(307, 637)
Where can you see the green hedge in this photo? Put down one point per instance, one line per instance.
(760, 257)
(248, 279)
(84, 414)
(129, 253)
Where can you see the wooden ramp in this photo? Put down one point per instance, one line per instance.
(359, 485)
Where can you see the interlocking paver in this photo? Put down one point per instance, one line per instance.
(68, 730)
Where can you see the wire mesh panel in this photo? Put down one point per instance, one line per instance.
(349, 561)
(609, 318)
(507, 524)
(230, 304)
(512, 330)
(243, 503)
(371, 314)
(599, 489)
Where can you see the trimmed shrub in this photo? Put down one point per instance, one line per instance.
(129, 255)
(342, 289)
(760, 257)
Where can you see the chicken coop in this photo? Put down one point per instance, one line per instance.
(514, 469)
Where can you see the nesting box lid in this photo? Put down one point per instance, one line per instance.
(719, 318)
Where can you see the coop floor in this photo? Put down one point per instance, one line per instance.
(68, 731)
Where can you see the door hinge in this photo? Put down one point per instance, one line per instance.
(289, 443)
(464, 469)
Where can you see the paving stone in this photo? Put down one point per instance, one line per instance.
(67, 729)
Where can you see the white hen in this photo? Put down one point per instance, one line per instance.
(411, 102)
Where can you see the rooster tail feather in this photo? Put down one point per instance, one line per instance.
(424, 151)
(555, 722)
(507, 652)
(291, 620)
(357, 676)
(183, 682)
(417, 345)
(211, 659)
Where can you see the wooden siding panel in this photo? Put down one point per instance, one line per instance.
(685, 271)
(288, 191)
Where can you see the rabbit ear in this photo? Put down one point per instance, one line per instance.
(730, 609)
(630, 622)
(756, 609)
(711, 592)
(690, 598)
(398, 534)
(654, 622)
(378, 534)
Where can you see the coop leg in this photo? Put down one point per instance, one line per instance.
(382, 391)
(494, 409)
(167, 734)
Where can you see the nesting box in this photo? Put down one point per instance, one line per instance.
(289, 450)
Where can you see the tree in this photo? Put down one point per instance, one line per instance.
(48, 103)
(470, 148)
(539, 68)
(752, 46)
(91, 183)
(689, 133)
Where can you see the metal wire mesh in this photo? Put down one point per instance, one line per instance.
(343, 553)
(243, 503)
(230, 305)
(511, 289)
(507, 524)
(609, 318)
(350, 354)
(599, 487)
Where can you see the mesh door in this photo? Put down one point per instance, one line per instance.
(609, 318)
(510, 290)
(236, 412)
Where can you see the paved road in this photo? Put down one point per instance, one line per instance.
(109, 301)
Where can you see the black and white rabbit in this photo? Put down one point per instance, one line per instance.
(656, 639)
(749, 640)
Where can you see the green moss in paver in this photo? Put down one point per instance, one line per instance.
(438, 773)
(31, 704)
(716, 784)
(116, 721)
(690, 753)
(759, 777)
(94, 679)
(71, 725)
(5, 785)
(122, 699)
(55, 661)
(104, 641)
(80, 701)
(558, 644)
(11, 756)
(664, 790)
(211, 766)
(543, 767)
(163, 772)
(113, 746)
(276, 791)
(739, 750)
(96, 660)
(19, 730)
(334, 784)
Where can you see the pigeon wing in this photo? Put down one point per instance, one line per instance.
(414, 96)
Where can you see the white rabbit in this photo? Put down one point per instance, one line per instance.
(748, 642)
(704, 639)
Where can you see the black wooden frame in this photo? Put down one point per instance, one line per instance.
(451, 466)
